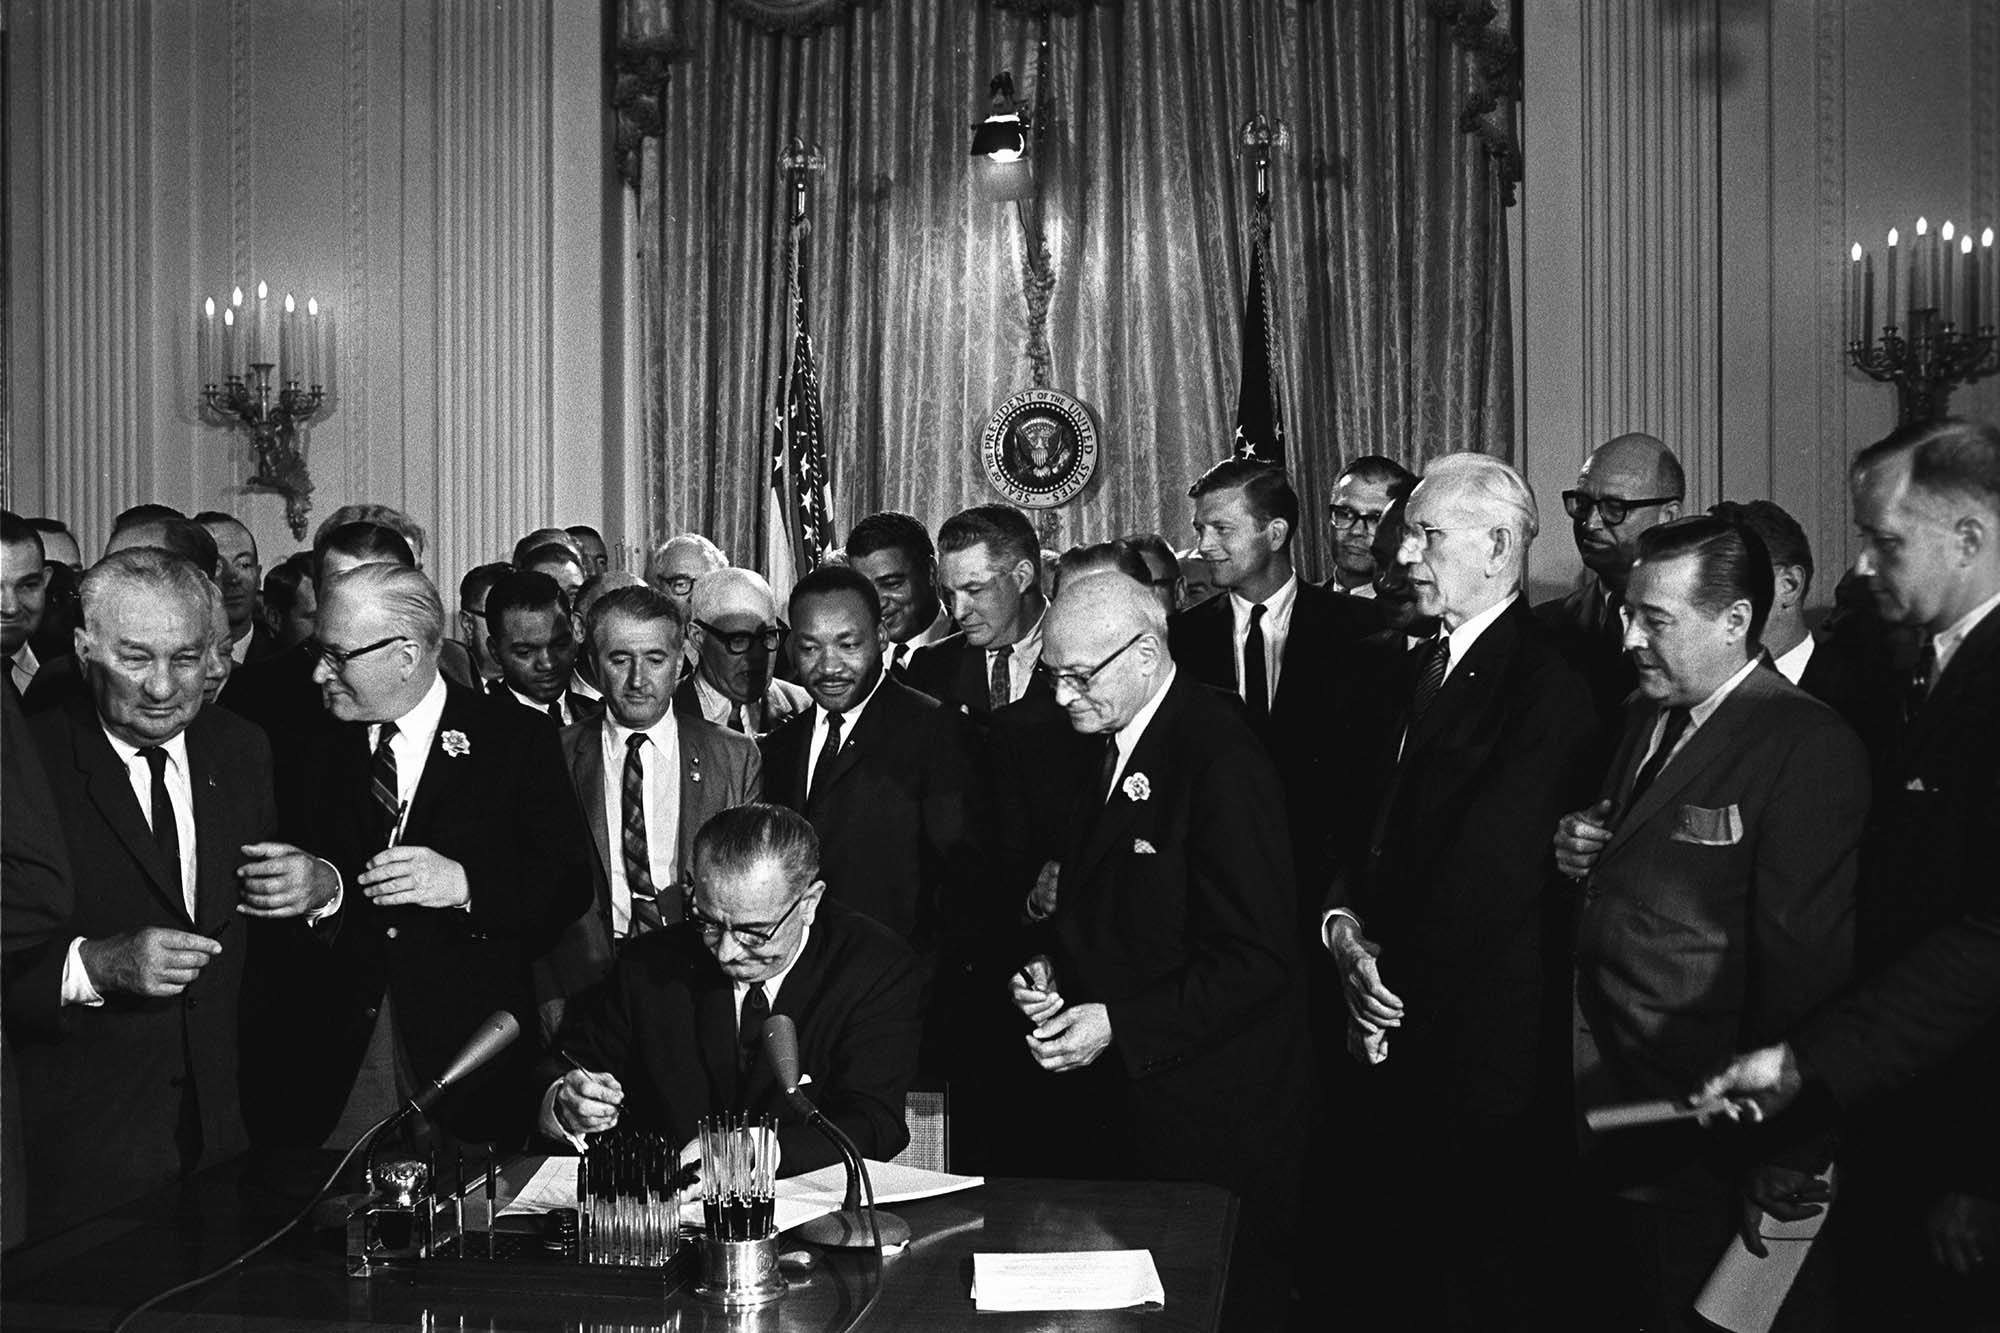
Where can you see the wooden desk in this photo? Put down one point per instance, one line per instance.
(85, 1277)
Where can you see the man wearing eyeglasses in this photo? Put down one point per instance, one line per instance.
(734, 634)
(462, 854)
(1172, 1001)
(1362, 494)
(1627, 485)
(675, 1032)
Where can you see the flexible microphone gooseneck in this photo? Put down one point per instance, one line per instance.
(856, 1226)
(493, 1036)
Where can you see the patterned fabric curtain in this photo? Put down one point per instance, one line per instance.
(1388, 283)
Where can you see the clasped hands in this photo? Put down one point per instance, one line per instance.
(1066, 1036)
(1372, 1008)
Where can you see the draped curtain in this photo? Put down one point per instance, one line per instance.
(1389, 289)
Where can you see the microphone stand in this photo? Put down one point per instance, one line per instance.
(884, 1233)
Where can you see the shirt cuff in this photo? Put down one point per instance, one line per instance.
(1326, 921)
(547, 1122)
(76, 987)
(319, 914)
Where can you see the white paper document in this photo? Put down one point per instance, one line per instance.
(1066, 1280)
(1744, 1293)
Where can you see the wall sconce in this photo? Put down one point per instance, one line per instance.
(1002, 165)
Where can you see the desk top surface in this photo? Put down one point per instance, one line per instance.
(83, 1278)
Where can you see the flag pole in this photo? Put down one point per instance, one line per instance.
(798, 527)
(1260, 418)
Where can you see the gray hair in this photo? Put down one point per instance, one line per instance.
(1491, 489)
(409, 598)
(709, 550)
(149, 569)
(737, 840)
(716, 591)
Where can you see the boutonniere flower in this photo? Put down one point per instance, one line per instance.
(455, 744)
(1136, 787)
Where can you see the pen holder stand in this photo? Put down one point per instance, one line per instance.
(740, 1274)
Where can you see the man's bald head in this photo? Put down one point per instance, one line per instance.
(1638, 459)
(1104, 643)
(1628, 484)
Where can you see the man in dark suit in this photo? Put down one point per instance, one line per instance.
(1173, 983)
(1458, 987)
(462, 853)
(1273, 641)
(893, 552)
(1719, 865)
(675, 1032)
(166, 815)
(648, 779)
(1910, 1054)
(1362, 494)
(990, 566)
(240, 575)
(24, 581)
(532, 635)
(1627, 485)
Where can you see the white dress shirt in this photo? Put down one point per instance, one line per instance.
(1792, 666)
(239, 649)
(1697, 714)
(1277, 627)
(1027, 651)
(1947, 641)
(900, 653)
(1127, 736)
(560, 701)
(847, 722)
(25, 666)
(415, 730)
(660, 762)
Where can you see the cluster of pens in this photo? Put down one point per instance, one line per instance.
(628, 1198)
(739, 1156)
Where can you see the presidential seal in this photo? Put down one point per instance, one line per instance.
(1040, 448)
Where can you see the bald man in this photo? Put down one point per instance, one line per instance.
(734, 635)
(1174, 981)
(1627, 485)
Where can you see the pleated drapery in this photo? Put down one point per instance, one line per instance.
(1389, 288)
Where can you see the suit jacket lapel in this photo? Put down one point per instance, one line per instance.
(215, 861)
(874, 723)
(1712, 741)
(1968, 666)
(701, 789)
(586, 770)
(441, 771)
(715, 1032)
(1103, 833)
(111, 791)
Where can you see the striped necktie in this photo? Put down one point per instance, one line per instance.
(382, 784)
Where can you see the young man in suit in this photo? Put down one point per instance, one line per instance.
(532, 635)
(733, 632)
(167, 819)
(990, 567)
(24, 581)
(1173, 983)
(648, 779)
(462, 854)
(1910, 1054)
(241, 580)
(1458, 985)
(1718, 867)
(675, 1032)
(893, 552)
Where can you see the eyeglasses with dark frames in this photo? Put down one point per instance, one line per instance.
(750, 937)
(1614, 509)
(680, 585)
(338, 658)
(738, 642)
(1347, 516)
(1079, 681)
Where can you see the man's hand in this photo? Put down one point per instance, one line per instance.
(1072, 1039)
(1786, 1193)
(1042, 898)
(414, 877)
(154, 962)
(588, 1103)
(281, 881)
(1366, 1043)
(1369, 1002)
(1581, 835)
(1965, 1232)
(1033, 990)
(1767, 1080)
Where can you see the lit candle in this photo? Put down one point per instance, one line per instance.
(205, 342)
(233, 342)
(1868, 299)
(1856, 328)
(1947, 293)
(1970, 314)
(1989, 304)
(288, 370)
(312, 342)
(260, 331)
(1893, 275)
(229, 340)
(1920, 270)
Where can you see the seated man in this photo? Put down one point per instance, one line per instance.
(675, 1031)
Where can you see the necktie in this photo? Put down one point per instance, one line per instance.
(827, 750)
(1922, 677)
(555, 712)
(750, 1029)
(1256, 690)
(999, 688)
(1677, 725)
(1107, 771)
(12, 688)
(1437, 656)
(638, 864)
(382, 784)
(165, 831)
(736, 718)
(898, 660)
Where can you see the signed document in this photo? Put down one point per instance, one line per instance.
(1066, 1280)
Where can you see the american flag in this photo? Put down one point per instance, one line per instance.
(800, 529)
(1260, 420)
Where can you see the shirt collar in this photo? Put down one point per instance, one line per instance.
(1947, 641)
(1468, 633)
(1029, 645)
(1793, 664)
(1704, 710)
(421, 722)
(1277, 607)
(25, 659)
(127, 752)
(853, 715)
(1128, 735)
(939, 627)
(776, 979)
(616, 732)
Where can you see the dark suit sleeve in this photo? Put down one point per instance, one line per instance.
(536, 881)
(865, 1070)
(1241, 904)
(36, 891)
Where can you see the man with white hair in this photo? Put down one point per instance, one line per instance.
(679, 563)
(1173, 986)
(1438, 931)
(733, 633)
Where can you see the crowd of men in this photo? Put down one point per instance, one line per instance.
(1349, 897)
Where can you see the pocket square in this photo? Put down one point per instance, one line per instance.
(1140, 847)
(1915, 784)
(1709, 827)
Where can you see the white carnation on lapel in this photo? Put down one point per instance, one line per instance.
(1137, 788)
(455, 744)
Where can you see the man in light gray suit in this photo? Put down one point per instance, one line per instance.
(649, 777)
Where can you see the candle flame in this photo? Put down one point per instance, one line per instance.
(1965, 244)
(1986, 237)
(236, 296)
(288, 303)
(1855, 253)
(1922, 226)
(312, 306)
(208, 306)
(1946, 231)
(229, 318)
(1892, 236)
(263, 292)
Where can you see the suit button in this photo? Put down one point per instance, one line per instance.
(369, 1014)
(390, 932)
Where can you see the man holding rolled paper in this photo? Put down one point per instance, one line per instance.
(674, 1033)
(1718, 872)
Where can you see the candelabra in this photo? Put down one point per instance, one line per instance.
(1948, 338)
(237, 363)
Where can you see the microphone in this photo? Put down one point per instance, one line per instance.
(493, 1036)
(853, 1227)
